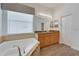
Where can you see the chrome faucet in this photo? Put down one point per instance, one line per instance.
(18, 50)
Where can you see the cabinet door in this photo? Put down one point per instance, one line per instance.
(44, 40)
(41, 40)
(47, 40)
(54, 37)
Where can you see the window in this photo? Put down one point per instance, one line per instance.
(19, 23)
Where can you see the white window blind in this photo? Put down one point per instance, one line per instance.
(19, 23)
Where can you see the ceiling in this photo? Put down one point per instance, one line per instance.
(46, 8)
(44, 5)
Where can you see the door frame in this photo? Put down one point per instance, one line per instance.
(61, 19)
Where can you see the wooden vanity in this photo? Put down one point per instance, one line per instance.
(48, 38)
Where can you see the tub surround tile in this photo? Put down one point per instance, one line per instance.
(18, 36)
(1, 39)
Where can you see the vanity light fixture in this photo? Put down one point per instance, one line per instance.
(43, 14)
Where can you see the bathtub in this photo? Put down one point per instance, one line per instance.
(27, 46)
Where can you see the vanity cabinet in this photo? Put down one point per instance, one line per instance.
(48, 38)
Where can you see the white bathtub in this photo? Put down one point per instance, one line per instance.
(27, 46)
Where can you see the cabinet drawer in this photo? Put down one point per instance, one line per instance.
(54, 40)
(41, 36)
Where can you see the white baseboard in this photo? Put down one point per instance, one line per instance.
(74, 47)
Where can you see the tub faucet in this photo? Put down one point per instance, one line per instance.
(19, 50)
